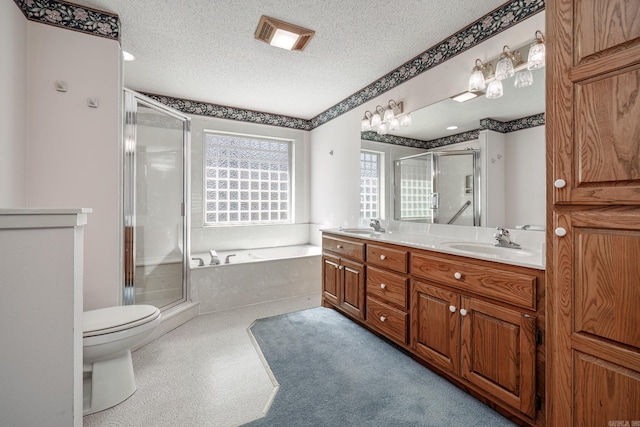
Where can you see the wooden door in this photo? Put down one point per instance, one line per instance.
(435, 325)
(352, 300)
(331, 278)
(498, 352)
(593, 171)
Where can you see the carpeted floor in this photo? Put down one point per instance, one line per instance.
(333, 372)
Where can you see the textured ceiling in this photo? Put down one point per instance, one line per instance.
(205, 50)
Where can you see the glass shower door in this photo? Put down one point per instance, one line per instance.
(156, 191)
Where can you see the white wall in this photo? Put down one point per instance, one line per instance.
(13, 104)
(525, 193)
(255, 236)
(73, 151)
(334, 179)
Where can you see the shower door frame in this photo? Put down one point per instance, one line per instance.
(435, 170)
(131, 100)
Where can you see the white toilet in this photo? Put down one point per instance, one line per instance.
(108, 336)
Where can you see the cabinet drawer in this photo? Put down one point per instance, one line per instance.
(511, 287)
(388, 320)
(393, 259)
(387, 287)
(348, 248)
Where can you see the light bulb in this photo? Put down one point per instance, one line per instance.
(394, 124)
(494, 90)
(504, 68)
(476, 81)
(405, 121)
(524, 78)
(536, 56)
(388, 115)
(376, 120)
(383, 128)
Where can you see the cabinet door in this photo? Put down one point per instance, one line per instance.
(352, 288)
(435, 325)
(331, 278)
(498, 352)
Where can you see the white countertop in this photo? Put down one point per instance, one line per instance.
(471, 242)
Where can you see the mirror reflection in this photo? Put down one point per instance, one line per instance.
(509, 135)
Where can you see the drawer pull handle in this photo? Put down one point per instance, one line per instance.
(383, 257)
(382, 286)
(339, 246)
(382, 318)
(560, 232)
(463, 312)
(452, 308)
(457, 275)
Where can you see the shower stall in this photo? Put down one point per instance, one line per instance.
(438, 187)
(156, 202)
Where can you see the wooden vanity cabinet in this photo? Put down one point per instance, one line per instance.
(478, 323)
(387, 291)
(489, 342)
(343, 275)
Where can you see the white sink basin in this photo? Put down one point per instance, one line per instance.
(361, 231)
(487, 249)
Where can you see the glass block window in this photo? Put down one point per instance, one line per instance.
(415, 189)
(247, 179)
(370, 178)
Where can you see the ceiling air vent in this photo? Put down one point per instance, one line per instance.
(282, 34)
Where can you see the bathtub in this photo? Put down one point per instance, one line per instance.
(253, 276)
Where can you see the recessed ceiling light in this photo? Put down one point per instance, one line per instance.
(466, 96)
(282, 34)
(452, 127)
(127, 56)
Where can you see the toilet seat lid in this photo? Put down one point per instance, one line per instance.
(113, 319)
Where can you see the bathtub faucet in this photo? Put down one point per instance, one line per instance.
(200, 261)
(226, 260)
(214, 257)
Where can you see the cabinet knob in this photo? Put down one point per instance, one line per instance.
(463, 312)
(560, 232)
(340, 268)
(457, 275)
(559, 183)
(452, 308)
(382, 286)
(382, 318)
(339, 246)
(383, 257)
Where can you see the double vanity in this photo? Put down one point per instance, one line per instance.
(467, 309)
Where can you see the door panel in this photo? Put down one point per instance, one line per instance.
(331, 278)
(353, 288)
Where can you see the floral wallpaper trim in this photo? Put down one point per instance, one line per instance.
(231, 113)
(72, 17)
(513, 125)
(490, 124)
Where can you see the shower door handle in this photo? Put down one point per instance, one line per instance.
(435, 201)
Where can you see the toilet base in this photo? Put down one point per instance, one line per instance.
(110, 382)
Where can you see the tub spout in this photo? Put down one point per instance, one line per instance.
(226, 260)
(200, 261)
(214, 257)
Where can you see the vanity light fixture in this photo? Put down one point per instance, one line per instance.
(537, 52)
(385, 119)
(282, 34)
(506, 68)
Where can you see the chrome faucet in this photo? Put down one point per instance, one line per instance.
(226, 260)
(376, 226)
(214, 257)
(504, 239)
(200, 261)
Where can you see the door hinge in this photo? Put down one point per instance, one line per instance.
(538, 402)
(538, 337)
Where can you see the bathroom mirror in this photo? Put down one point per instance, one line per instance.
(522, 159)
